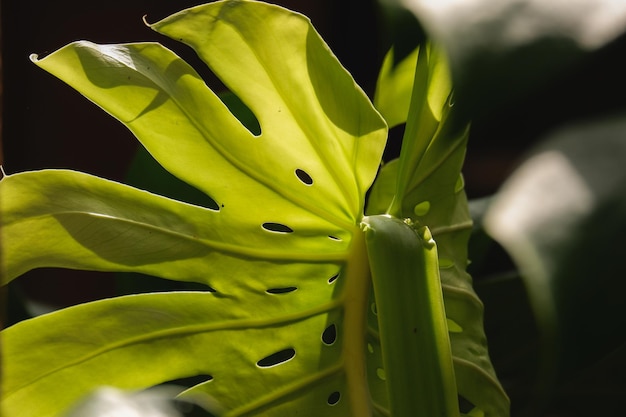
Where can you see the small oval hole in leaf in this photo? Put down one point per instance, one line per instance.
(330, 335)
(333, 278)
(304, 177)
(277, 358)
(334, 238)
(453, 326)
(277, 227)
(283, 290)
(422, 209)
(334, 398)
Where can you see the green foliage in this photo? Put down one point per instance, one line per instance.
(287, 323)
(551, 74)
(428, 189)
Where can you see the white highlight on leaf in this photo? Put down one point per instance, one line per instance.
(544, 185)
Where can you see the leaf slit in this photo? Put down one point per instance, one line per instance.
(281, 290)
(304, 177)
(277, 358)
(277, 227)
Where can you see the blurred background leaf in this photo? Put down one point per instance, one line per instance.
(539, 78)
(502, 52)
(562, 218)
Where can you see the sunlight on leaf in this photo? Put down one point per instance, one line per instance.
(289, 201)
(285, 324)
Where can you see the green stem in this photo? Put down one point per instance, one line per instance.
(413, 330)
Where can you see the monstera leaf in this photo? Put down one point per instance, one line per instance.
(425, 185)
(286, 324)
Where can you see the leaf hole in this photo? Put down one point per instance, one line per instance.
(380, 373)
(329, 335)
(338, 239)
(445, 263)
(333, 278)
(453, 326)
(281, 290)
(277, 358)
(304, 177)
(422, 208)
(277, 227)
(465, 406)
(334, 398)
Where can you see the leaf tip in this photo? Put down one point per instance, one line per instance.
(144, 18)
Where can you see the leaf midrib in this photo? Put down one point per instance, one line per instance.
(228, 248)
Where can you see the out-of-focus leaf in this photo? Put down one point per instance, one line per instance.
(395, 85)
(500, 51)
(562, 217)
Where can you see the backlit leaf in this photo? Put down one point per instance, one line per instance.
(282, 252)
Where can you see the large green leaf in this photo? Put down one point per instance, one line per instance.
(429, 190)
(284, 252)
(285, 325)
(561, 216)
